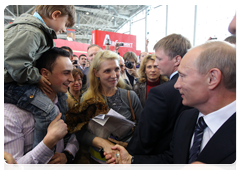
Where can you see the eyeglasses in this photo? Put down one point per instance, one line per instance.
(78, 80)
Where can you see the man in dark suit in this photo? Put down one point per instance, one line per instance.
(164, 103)
(84, 69)
(233, 28)
(207, 82)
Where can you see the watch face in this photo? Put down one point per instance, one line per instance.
(101, 151)
(68, 156)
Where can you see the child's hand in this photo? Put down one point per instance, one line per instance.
(44, 85)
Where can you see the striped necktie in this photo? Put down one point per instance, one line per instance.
(198, 135)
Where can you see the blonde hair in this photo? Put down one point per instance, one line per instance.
(142, 69)
(173, 45)
(221, 55)
(94, 90)
(47, 10)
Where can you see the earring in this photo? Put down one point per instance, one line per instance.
(98, 78)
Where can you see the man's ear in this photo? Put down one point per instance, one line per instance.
(55, 14)
(214, 78)
(45, 73)
(177, 59)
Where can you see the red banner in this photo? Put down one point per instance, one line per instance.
(78, 48)
(100, 38)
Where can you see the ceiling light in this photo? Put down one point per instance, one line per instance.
(87, 13)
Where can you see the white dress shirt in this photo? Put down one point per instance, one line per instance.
(173, 75)
(214, 121)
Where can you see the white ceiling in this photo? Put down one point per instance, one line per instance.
(89, 17)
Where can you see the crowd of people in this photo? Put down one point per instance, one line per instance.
(181, 99)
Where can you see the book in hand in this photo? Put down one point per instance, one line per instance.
(111, 123)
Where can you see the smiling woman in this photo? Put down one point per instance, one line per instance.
(74, 92)
(105, 92)
(104, 76)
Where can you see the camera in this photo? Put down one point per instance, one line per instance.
(213, 38)
(120, 44)
(75, 62)
(128, 64)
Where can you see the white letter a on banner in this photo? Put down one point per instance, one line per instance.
(106, 38)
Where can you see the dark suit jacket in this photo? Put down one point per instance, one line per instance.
(221, 148)
(85, 71)
(155, 127)
(85, 77)
(141, 90)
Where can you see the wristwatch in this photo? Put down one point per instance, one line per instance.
(69, 157)
(101, 151)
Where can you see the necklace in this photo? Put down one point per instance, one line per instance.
(78, 101)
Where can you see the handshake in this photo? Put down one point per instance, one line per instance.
(119, 156)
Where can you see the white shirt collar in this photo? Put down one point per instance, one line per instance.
(173, 74)
(81, 67)
(217, 118)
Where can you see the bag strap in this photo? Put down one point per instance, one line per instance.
(130, 103)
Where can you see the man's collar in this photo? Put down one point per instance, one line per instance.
(173, 74)
(81, 67)
(217, 118)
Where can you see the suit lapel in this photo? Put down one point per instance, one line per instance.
(222, 144)
(174, 78)
(186, 135)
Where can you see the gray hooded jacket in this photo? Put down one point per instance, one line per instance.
(25, 40)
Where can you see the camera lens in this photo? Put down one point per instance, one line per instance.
(128, 64)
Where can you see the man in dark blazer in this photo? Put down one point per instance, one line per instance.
(233, 28)
(84, 70)
(164, 103)
(207, 82)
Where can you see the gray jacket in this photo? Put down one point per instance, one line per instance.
(24, 42)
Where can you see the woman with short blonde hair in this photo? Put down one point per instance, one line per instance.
(149, 76)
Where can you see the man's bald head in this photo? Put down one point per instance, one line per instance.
(221, 55)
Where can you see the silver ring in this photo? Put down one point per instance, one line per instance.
(117, 155)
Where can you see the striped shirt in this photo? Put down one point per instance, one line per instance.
(18, 138)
